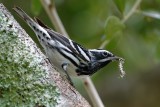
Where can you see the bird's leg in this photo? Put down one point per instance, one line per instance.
(64, 66)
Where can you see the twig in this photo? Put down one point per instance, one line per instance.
(131, 12)
(51, 10)
(52, 13)
(92, 92)
(103, 44)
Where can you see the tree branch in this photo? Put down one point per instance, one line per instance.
(26, 76)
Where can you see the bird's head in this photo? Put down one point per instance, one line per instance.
(100, 58)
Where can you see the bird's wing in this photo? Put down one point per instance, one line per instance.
(77, 50)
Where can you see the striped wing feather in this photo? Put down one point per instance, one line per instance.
(77, 50)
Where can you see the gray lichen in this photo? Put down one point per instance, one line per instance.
(23, 79)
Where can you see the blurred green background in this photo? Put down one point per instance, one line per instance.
(136, 39)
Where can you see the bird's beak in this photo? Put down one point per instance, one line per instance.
(113, 58)
(116, 58)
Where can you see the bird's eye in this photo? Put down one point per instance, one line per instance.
(105, 54)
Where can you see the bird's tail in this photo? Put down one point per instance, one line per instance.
(27, 18)
(36, 25)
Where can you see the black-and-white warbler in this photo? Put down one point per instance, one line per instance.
(66, 55)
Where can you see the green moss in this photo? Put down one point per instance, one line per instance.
(23, 81)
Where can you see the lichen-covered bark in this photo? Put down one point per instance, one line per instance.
(23, 79)
(26, 76)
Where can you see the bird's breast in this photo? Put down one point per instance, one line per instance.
(57, 60)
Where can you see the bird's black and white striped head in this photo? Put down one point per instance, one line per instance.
(100, 55)
(100, 58)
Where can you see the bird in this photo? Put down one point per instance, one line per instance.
(67, 56)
